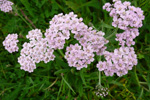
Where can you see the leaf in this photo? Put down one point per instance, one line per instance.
(72, 5)
(116, 83)
(14, 94)
(27, 6)
(148, 80)
(11, 26)
(68, 85)
(140, 56)
(79, 87)
(106, 25)
(61, 71)
(82, 77)
(93, 3)
(40, 3)
(141, 94)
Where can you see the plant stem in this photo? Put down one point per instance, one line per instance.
(16, 11)
(99, 73)
(115, 31)
(27, 18)
(60, 51)
(100, 78)
(143, 83)
(60, 89)
(68, 85)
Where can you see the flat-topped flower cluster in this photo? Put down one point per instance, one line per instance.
(35, 51)
(79, 58)
(129, 19)
(10, 43)
(119, 61)
(5, 5)
(125, 17)
(62, 27)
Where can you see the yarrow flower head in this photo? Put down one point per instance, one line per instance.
(94, 38)
(10, 43)
(79, 57)
(35, 51)
(119, 61)
(5, 5)
(101, 91)
(61, 26)
(124, 15)
(126, 38)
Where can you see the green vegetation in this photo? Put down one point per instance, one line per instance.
(56, 80)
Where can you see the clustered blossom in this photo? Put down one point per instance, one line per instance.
(10, 43)
(119, 61)
(101, 91)
(35, 51)
(94, 38)
(79, 57)
(124, 15)
(61, 26)
(126, 38)
(5, 5)
(59, 30)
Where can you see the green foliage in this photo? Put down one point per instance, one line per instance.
(56, 80)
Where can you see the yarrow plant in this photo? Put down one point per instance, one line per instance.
(35, 51)
(125, 17)
(119, 61)
(10, 43)
(101, 91)
(79, 58)
(5, 5)
(90, 43)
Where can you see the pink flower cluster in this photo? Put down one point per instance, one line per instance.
(94, 38)
(126, 38)
(5, 5)
(61, 26)
(10, 43)
(79, 57)
(119, 61)
(59, 29)
(124, 15)
(35, 51)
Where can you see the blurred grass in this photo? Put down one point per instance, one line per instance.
(46, 83)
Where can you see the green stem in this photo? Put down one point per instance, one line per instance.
(99, 72)
(15, 9)
(115, 31)
(60, 51)
(136, 77)
(145, 83)
(68, 85)
(100, 78)
(60, 89)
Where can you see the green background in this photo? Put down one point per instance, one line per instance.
(47, 82)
